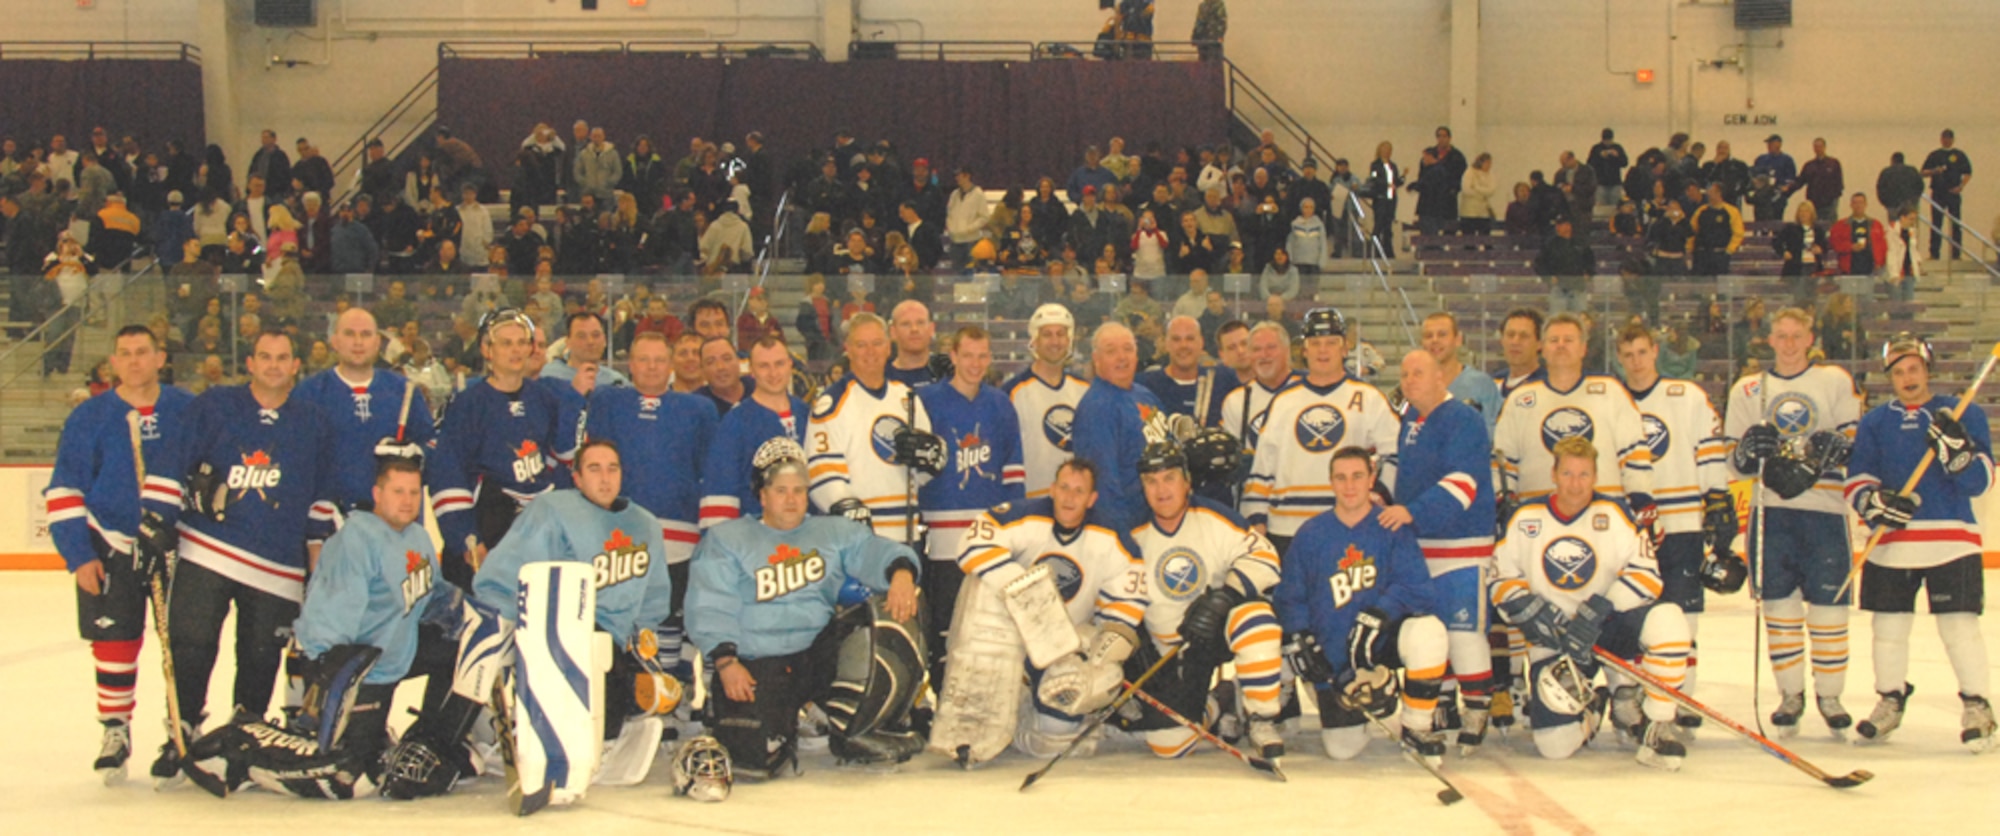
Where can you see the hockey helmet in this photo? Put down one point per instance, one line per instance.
(1162, 455)
(1051, 314)
(391, 447)
(1562, 687)
(1323, 322)
(774, 457)
(1905, 344)
(1212, 456)
(702, 771)
(505, 316)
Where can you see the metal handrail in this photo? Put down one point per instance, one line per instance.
(769, 253)
(802, 50)
(1376, 256)
(103, 279)
(1938, 230)
(102, 50)
(969, 50)
(355, 152)
(1240, 80)
(1156, 50)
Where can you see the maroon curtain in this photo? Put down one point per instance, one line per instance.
(154, 101)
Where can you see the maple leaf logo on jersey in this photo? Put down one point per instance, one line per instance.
(417, 579)
(528, 462)
(256, 473)
(1356, 574)
(790, 570)
(1352, 557)
(972, 455)
(412, 561)
(621, 560)
(784, 552)
(618, 540)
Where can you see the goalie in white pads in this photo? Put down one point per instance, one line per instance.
(1047, 583)
(1209, 578)
(762, 607)
(1573, 573)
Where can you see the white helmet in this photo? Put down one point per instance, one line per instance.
(1051, 314)
(1563, 688)
(774, 456)
(702, 771)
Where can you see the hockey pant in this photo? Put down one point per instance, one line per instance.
(1255, 642)
(1420, 647)
(196, 607)
(1655, 635)
(1461, 604)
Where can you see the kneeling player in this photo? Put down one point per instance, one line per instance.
(761, 605)
(1048, 584)
(1209, 576)
(1573, 574)
(367, 624)
(1367, 591)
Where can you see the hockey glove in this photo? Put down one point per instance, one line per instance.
(852, 509)
(1723, 572)
(1205, 625)
(208, 492)
(1580, 635)
(1954, 448)
(1504, 505)
(1646, 515)
(921, 450)
(1718, 519)
(1538, 620)
(1368, 690)
(1308, 659)
(1880, 508)
(1758, 443)
(1362, 637)
(155, 545)
(1086, 681)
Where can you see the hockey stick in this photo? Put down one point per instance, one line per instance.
(1447, 796)
(1851, 779)
(1102, 715)
(910, 475)
(1260, 764)
(1757, 571)
(1924, 464)
(403, 418)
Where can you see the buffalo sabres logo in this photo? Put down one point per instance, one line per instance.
(1567, 422)
(1180, 575)
(1569, 563)
(1794, 414)
(788, 570)
(1056, 425)
(362, 405)
(417, 579)
(1064, 571)
(883, 435)
(256, 473)
(1657, 437)
(621, 560)
(1320, 428)
(972, 455)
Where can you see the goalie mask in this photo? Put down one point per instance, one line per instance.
(774, 457)
(702, 771)
(1562, 687)
(1213, 456)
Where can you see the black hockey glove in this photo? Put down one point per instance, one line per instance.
(1723, 572)
(1539, 620)
(1646, 515)
(921, 450)
(155, 545)
(1580, 636)
(852, 509)
(1758, 443)
(1205, 625)
(208, 492)
(1718, 519)
(1307, 658)
(1362, 637)
(1948, 439)
(1879, 508)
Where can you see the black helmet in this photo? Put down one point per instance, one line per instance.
(1323, 322)
(1162, 455)
(1213, 456)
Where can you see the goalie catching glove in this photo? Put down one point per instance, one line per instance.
(1083, 682)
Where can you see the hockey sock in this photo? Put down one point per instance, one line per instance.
(1666, 658)
(1471, 666)
(1785, 635)
(1255, 639)
(1892, 648)
(1966, 648)
(1694, 654)
(117, 678)
(1828, 625)
(1498, 655)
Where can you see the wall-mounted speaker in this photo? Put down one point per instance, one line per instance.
(287, 14)
(1763, 14)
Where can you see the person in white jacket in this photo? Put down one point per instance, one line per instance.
(1904, 264)
(1307, 243)
(1475, 197)
(965, 218)
(476, 228)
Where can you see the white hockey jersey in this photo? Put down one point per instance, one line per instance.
(1097, 570)
(1690, 454)
(850, 443)
(1236, 416)
(1290, 478)
(1212, 546)
(1822, 397)
(1536, 415)
(1567, 561)
(1046, 413)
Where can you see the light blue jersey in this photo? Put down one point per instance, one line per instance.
(371, 587)
(771, 592)
(622, 544)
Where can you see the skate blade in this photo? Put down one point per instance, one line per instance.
(112, 775)
(167, 784)
(1667, 763)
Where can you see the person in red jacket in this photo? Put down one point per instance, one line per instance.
(1862, 244)
(756, 321)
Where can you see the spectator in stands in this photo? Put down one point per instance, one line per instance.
(1668, 240)
(114, 233)
(1900, 184)
(270, 163)
(1089, 307)
(616, 241)
(354, 247)
(539, 168)
(1214, 316)
(756, 322)
(726, 246)
(210, 374)
(240, 254)
(1306, 244)
(1802, 244)
(1567, 264)
(1822, 181)
(1090, 224)
(1520, 219)
(1218, 223)
(925, 240)
(1051, 216)
(420, 181)
(1841, 334)
(1475, 197)
(378, 173)
(1275, 312)
(1626, 222)
(1437, 186)
(457, 163)
(1363, 359)
(1194, 249)
(1264, 228)
(286, 282)
(1548, 203)
(395, 307)
(461, 350)
(1138, 302)
(855, 257)
(1902, 267)
(1211, 23)
(1384, 181)
(214, 174)
(523, 244)
(817, 320)
(1280, 277)
(711, 186)
(965, 217)
(1195, 300)
(93, 183)
(1733, 174)
(1002, 217)
(1751, 335)
(1718, 234)
(68, 270)
(476, 227)
(597, 168)
(1860, 240)
(312, 172)
(1608, 162)
(644, 175)
(1950, 170)
(1150, 246)
(1578, 183)
(1641, 287)
(1019, 249)
(280, 229)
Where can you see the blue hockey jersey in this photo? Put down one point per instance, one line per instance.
(1109, 431)
(771, 592)
(95, 486)
(1891, 440)
(661, 443)
(1334, 571)
(361, 416)
(492, 440)
(1177, 396)
(1442, 466)
(371, 587)
(982, 439)
(277, 474)
(1478, 390)
(726, 470)
(621, 544)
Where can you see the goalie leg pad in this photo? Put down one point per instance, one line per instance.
(559, 701)
(332, 683)
(289, 763)
(981, 701)
(878, 670)
(1037, 609)
(485, 649)
(1044, 735)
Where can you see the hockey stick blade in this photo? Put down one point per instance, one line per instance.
(1102, 715)
(1258, 763)
(1850, 780)
(1447, 796)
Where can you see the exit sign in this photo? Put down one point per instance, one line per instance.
(1763, 120)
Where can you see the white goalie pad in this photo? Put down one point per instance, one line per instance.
(982, 690)
(1037, 609)
(559, 674)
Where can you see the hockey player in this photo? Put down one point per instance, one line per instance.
(1232, 348)
(1245, 409)
(1049, 584)
(1521, 348)
(97, 496)
(1210, 580)
(1305, 424)
(1467, 385)
(1045, 397)
(1572, 572)
(1790, 426)
(584, 343)
(762, 605)
(256, 468)
(663, 436)
(1691, 470)
(1566, 401)
(983, 471)
(1112, 421)
(1931, 540)
(1183, 384)
(1442, 493)
(495, 449)
(913, 331)
(770, 411)
(1356, 604)
(870, 440)
(365, 405)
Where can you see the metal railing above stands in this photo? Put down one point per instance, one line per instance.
(794, 50)
(101, 51)
(977, 50)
